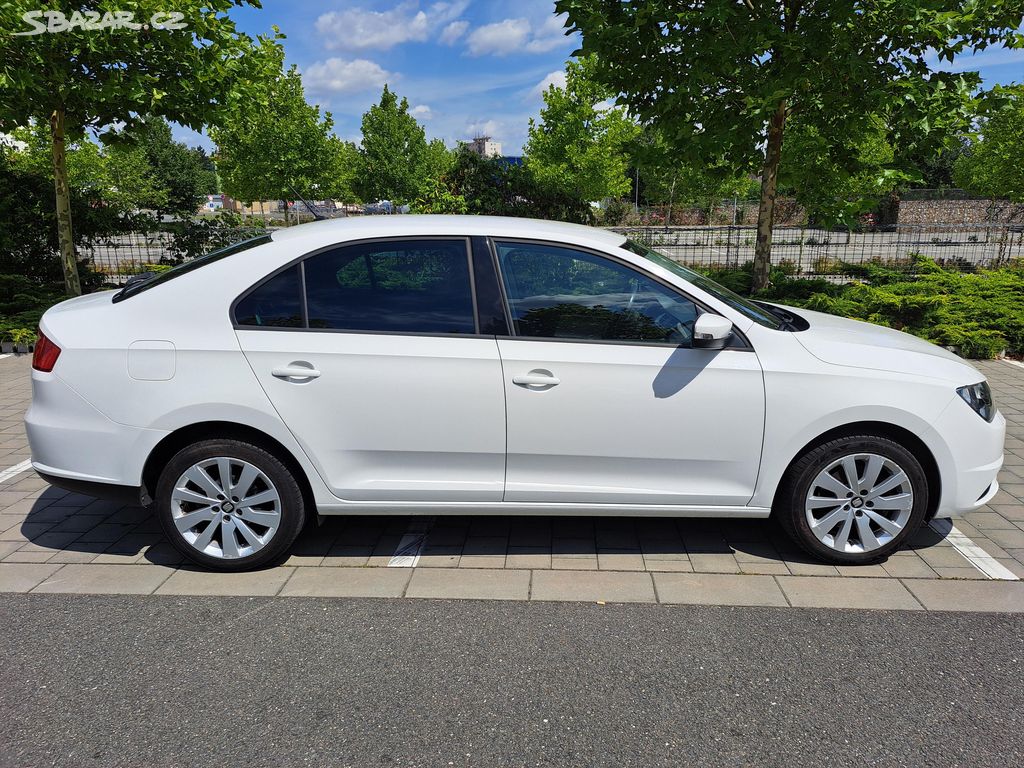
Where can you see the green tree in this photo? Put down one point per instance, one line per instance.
(183, 175)
(438, 160)
(580, 142)
(81, 78)
(394, 152)
(721, 78)
(496, 187)
(993, 162)
(278, 146)
(120, 179)
(835, 192)
(664, 179)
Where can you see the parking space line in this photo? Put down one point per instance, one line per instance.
(971, 552)
(407, 553)
(1013, 362)
(17, 469)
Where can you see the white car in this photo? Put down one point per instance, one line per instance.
(477, 365)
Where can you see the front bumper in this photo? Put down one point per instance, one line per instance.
(970, 464)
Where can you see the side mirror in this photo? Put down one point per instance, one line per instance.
(711, 332)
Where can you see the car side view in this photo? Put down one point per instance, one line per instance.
(479, 365)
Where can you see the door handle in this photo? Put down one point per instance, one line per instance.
(536, 379)
(295, 371)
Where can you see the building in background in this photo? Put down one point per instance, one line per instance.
(483, 146)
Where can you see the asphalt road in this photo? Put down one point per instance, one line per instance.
(105, 681)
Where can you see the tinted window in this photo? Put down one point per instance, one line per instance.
(557, 292)
(275, 303)
(404, 286)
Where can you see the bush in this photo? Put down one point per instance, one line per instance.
(981, 313)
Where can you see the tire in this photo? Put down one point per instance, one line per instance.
(230, 535)
(886, 473)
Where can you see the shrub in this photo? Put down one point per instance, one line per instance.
(979, 313)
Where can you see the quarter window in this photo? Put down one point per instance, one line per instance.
(557, 292)
(410, 286)
(275, 303)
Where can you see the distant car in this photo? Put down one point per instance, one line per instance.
(476, 365)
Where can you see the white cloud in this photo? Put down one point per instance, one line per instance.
(340, 76)
(548, 36)
(517, 36)
(421, 112)
(451, 33)
(556, 78)
(499, 39)
(362, 29)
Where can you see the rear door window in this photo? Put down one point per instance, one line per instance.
(402, 286)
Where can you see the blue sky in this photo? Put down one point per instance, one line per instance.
(466, 66)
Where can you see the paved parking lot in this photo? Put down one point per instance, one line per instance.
(53, 541)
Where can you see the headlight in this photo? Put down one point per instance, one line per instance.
(979, 397)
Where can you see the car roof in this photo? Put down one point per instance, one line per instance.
(321, 233)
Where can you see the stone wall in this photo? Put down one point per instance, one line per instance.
(954, 212)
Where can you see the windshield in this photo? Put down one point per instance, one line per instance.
(745, 306)
(155, 279)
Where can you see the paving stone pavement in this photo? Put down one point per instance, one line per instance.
(55, 541)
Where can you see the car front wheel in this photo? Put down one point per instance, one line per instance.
(229, 505)
(854, 499)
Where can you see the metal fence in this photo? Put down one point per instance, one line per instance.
(809, 251)
(125, 254)
(806, 251)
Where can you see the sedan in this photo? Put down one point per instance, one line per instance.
(428, 365)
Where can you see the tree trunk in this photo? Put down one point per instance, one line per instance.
(766, 209)
(60, 183)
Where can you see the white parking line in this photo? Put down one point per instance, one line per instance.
(7, 355)
(971, 552)
(1018, 363)
(10, 472)
(407, 553)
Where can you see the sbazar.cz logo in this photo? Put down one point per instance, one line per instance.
(41, 22)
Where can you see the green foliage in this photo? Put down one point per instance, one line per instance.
(980, 313)
(993, 164)
(182, 176)
(720, 79)
(580, 142)
(710, 75)
(105, 78)
(834, 192)
(665, 178)
(495, 187)
(28, 230)
(272, 145)
(394, 155)
(437, 198)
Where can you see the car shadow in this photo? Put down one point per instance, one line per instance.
(108, 532)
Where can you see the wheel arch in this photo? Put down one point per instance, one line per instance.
(893, 432)
(227, 430)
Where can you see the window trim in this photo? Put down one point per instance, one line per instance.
(301, 260)
(514, 336)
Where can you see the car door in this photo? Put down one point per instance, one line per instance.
(370, 353)
(607, 401)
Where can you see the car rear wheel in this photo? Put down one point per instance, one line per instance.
(229, 505)
(853, 500)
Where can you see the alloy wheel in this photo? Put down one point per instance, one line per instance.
(859, 503)
(225, 507)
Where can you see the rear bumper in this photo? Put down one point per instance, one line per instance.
(73, 441)
(123, 494)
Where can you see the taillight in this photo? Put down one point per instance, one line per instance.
(45, 355)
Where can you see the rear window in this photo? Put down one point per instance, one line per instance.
(139, 284)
